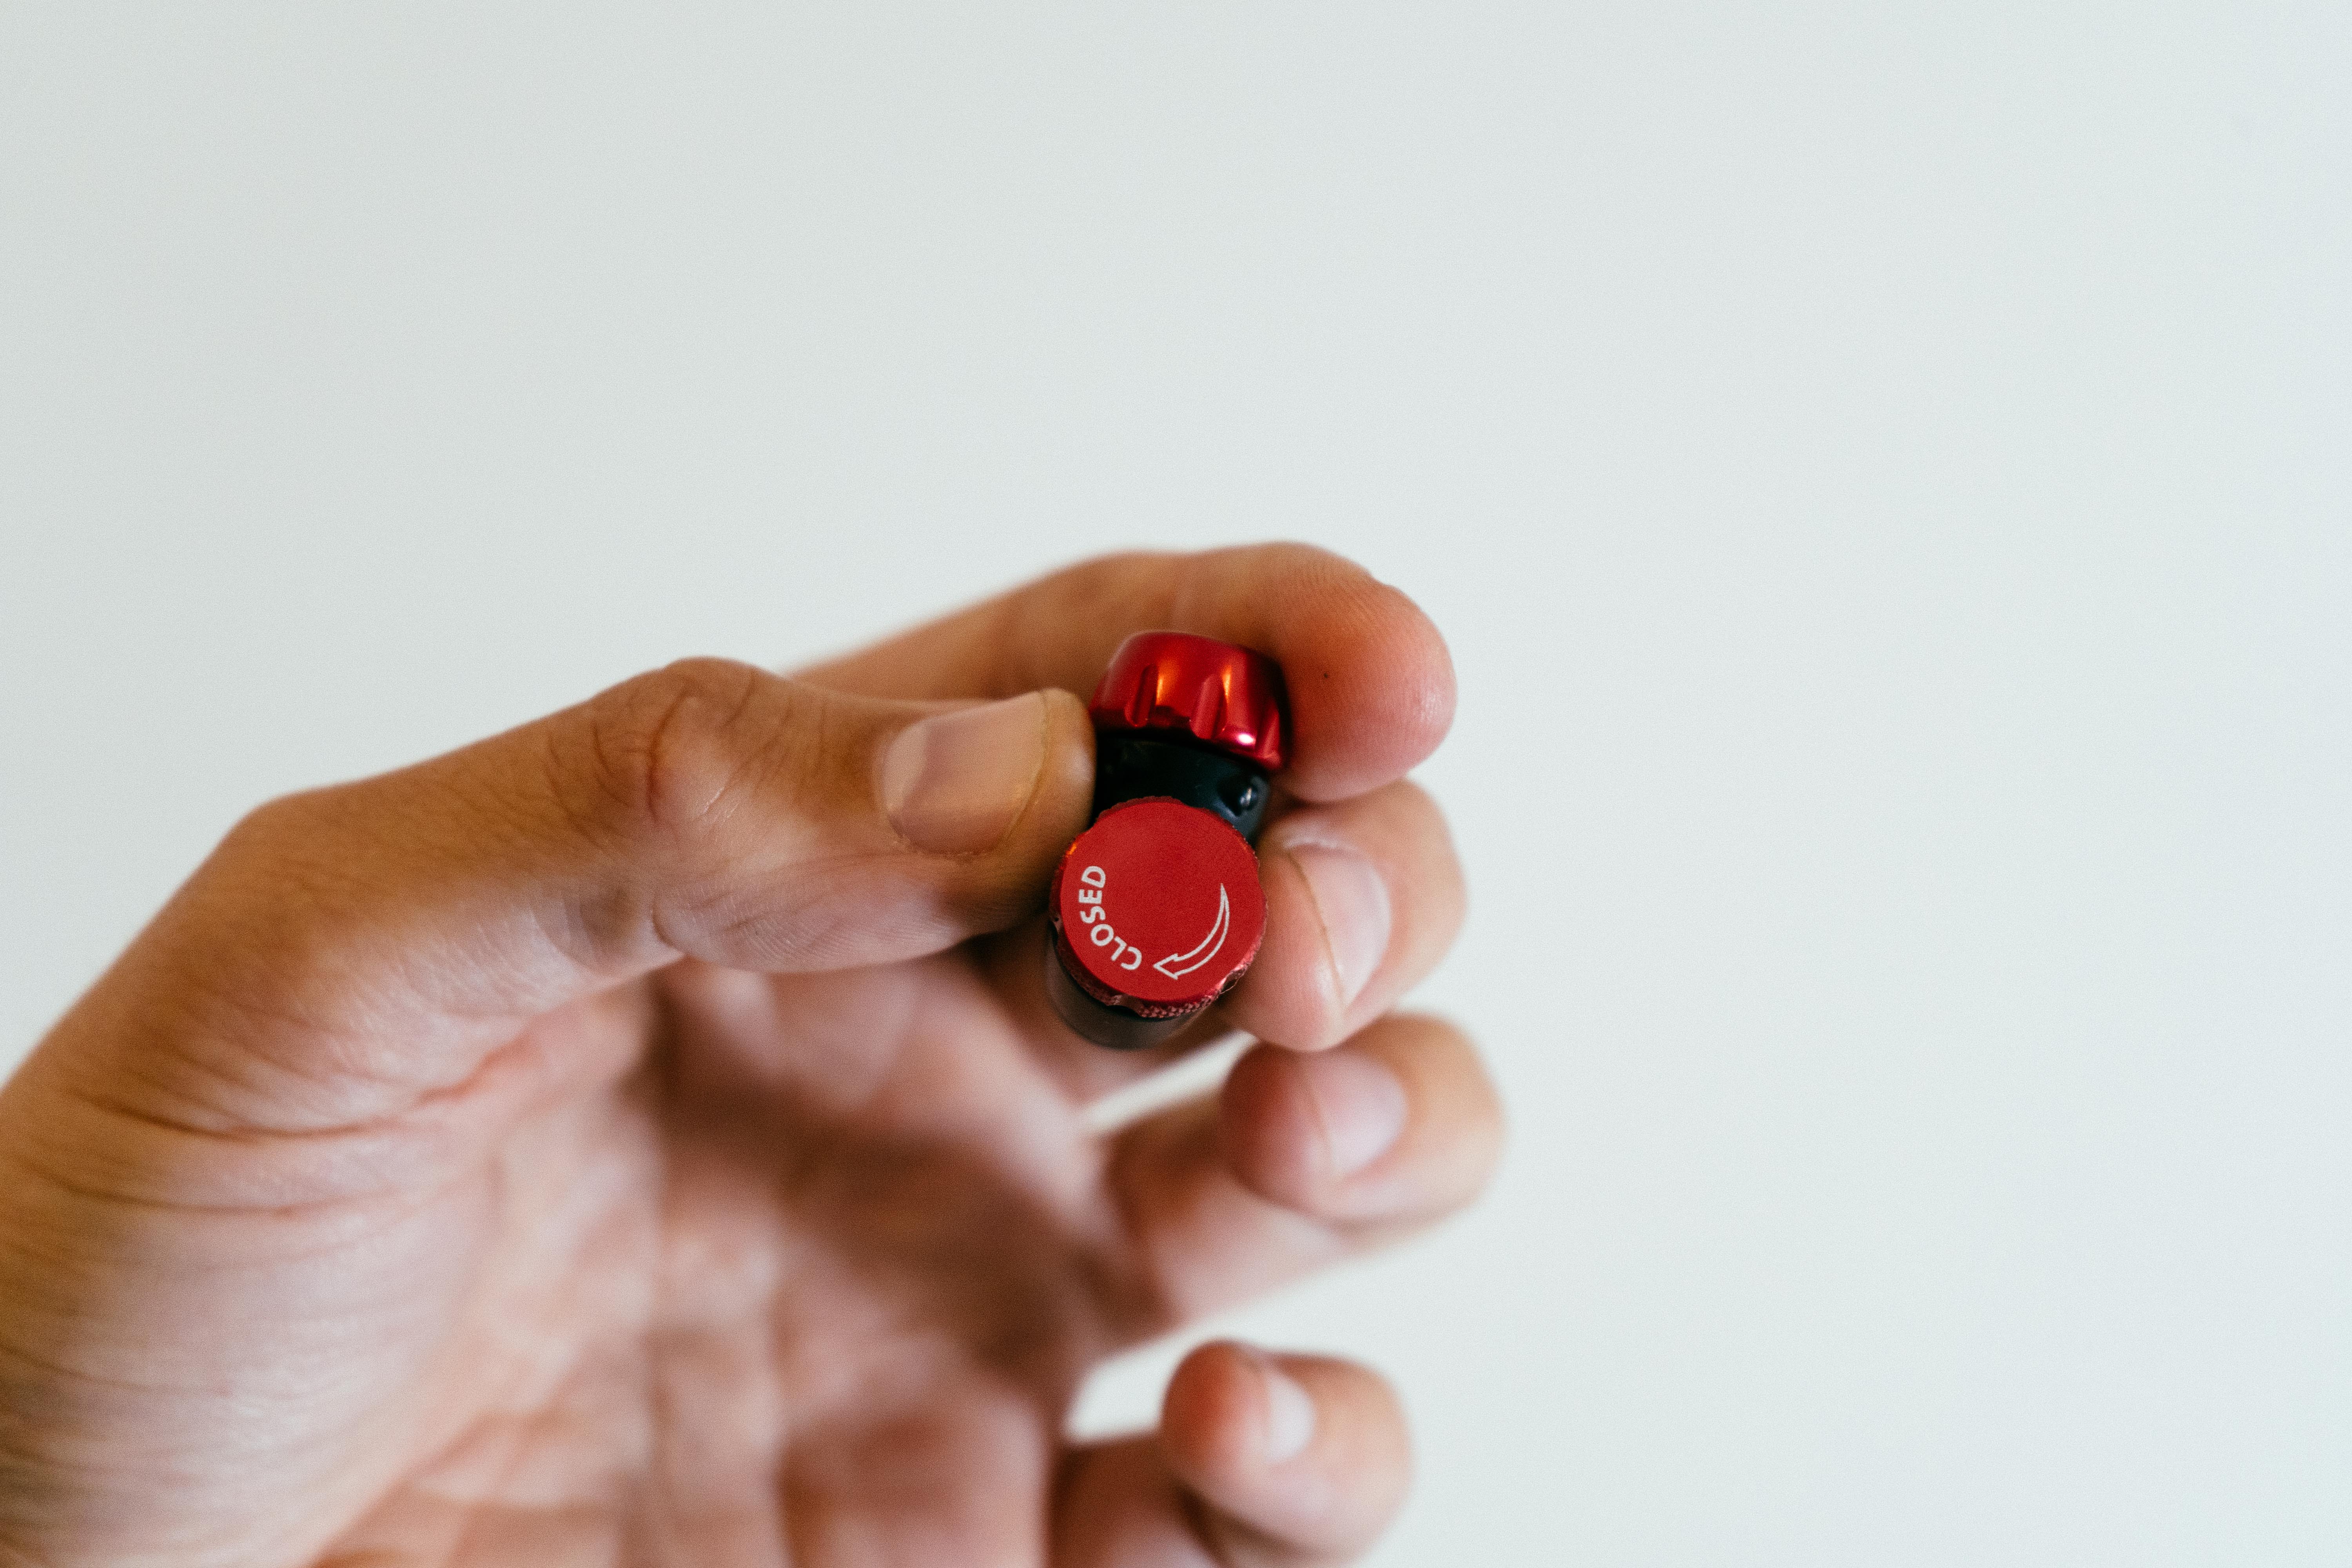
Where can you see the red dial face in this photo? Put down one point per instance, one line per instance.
(1158, 906)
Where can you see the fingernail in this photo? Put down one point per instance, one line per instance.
(953, 783)
(1360, 1104)
(1352, 900)
(1289, 1412)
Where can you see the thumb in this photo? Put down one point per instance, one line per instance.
(348, 950)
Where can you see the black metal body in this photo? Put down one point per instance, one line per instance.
(1132, 767)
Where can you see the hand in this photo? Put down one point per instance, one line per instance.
(643, 1137)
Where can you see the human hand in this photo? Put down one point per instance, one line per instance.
(643, 1137)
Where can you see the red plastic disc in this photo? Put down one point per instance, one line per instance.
(1157, 908)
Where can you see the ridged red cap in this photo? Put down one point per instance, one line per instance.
(1229, 697)
(1157, 909)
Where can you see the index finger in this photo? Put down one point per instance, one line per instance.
(1370, 683)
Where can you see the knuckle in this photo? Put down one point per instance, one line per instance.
(667, 751)
(1466, 1106)
(264, 828)
(1487, 1130)
(282, 856)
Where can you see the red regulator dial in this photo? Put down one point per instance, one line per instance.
(1221, 695)
(1159, 908)
(1156, 908)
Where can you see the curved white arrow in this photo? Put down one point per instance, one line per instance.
(1177, 965)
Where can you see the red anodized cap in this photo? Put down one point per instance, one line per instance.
(1158, 908)
(1228, 697)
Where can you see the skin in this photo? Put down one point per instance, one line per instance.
(613, 1143)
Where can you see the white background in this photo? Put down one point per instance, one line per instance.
(1883, 470)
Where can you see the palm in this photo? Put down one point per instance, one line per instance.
(876, 1253)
